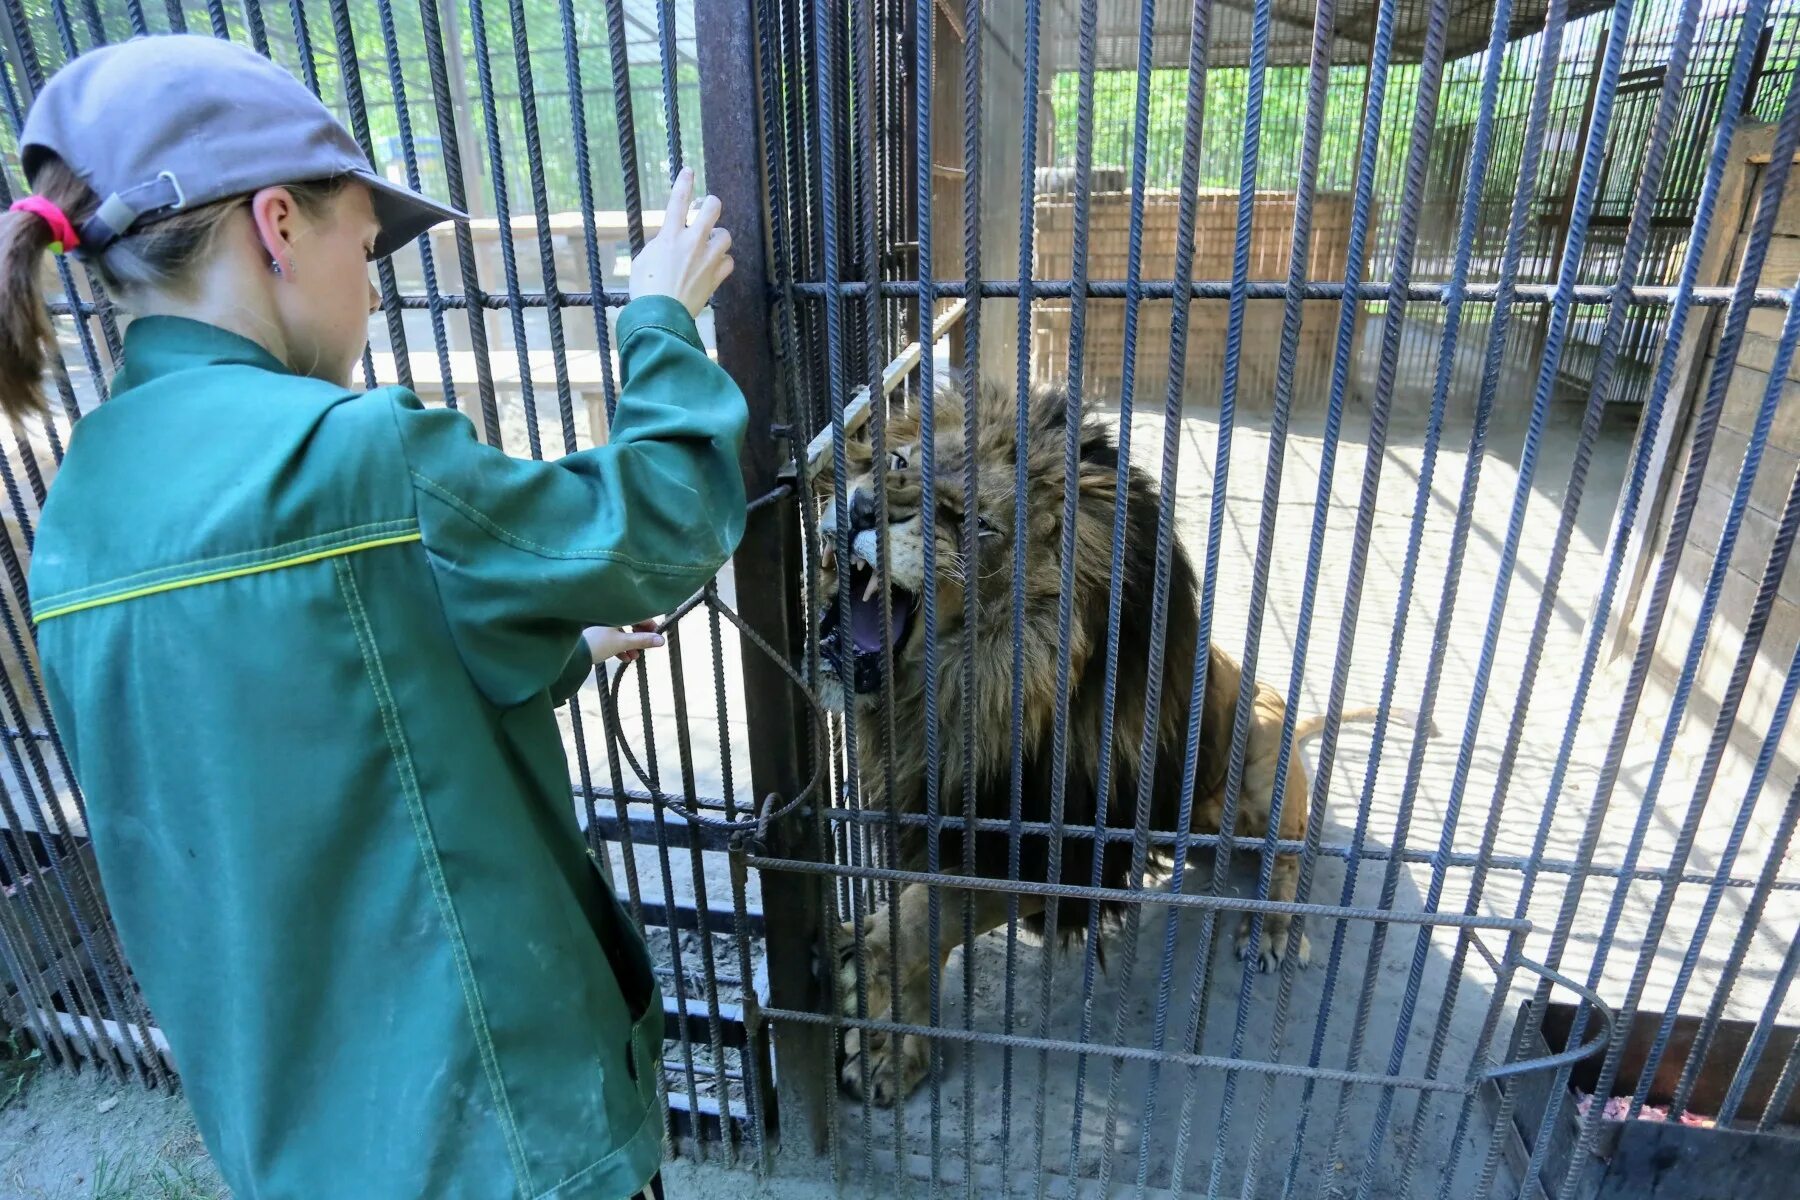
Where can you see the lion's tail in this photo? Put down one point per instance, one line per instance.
(1314, 725)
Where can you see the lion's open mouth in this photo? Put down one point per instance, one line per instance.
(864, 646)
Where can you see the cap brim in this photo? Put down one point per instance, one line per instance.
(403, 213)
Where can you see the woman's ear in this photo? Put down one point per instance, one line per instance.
(276, 216)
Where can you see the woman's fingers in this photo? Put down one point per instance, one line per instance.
(705, 218)
(681, 197)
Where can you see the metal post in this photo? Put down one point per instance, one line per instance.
(768, 560)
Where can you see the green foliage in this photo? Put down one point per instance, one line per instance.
(53, 23)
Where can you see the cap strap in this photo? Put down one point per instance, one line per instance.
(62, 232)
(121, 210)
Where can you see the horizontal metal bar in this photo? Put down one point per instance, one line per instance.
(1202, 841)
(1136, 1053)
(1106, 289)
(1065, 891)
(1274, 289)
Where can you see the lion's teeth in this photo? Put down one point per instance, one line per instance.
(874, 586)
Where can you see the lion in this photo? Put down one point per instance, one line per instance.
(893, 769)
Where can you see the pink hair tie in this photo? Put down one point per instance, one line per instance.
(62, 232)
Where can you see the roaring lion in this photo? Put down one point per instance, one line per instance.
(855, 662)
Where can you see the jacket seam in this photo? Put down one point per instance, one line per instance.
(496, 530)
(260, 556)
(434, 871)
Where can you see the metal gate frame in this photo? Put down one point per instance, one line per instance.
(834, 322)
(828, 286)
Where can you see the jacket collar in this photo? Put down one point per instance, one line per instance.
(158, 346)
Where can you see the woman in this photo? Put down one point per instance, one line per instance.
(304, 645)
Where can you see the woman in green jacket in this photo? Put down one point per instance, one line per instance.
(304, 645)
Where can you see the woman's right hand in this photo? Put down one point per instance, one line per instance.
(686, 261)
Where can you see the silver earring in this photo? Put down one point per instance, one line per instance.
(275, 266)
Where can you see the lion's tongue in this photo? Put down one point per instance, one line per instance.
(865, 623)
(865, 616)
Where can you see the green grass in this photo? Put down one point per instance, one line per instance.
(166, 1180)
(17, 1066)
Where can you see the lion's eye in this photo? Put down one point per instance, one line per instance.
(897, 461)
(985, 527)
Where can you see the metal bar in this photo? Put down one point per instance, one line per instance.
(410, 158)
(1759, 1039)
(1059, 751)
(444, 84)
(1061, 289)
(974, 31)
(1204, 902)
(540, 209)
(350, 78)
(1134, 262)
(979, 1037)
(1747, 930)
(484, 78)
(734, 62)
(1020, 523)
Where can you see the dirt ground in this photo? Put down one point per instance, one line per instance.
(83, 1135)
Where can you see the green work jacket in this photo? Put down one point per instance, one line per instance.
(304, 646)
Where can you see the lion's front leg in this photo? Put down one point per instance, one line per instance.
(896, 1064)
(879, 1065)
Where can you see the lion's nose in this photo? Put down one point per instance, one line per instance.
(862, 512)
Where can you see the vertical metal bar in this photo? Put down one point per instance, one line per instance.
(862, 69)
(1059, 752)
(1784, 1090)
(1318, 74)
(540, 209)
(622, 113)
(1234, 333)
(1020, 526)
(1199, 27)
(1759, 1040)
(739, 81)
(924, 62)
(584, 184)
(253, 17)
(435, 36)
(974, 32)
(484, 75)
(665, 34)
(409, 155)
(1159, 620)
(1748, 925)
(749, 1057)
(702, 906)
(350, 75)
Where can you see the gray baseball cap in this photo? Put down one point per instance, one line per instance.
(158, 124)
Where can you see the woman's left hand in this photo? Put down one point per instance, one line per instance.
(604, 642)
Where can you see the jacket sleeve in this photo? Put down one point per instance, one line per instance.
(526, 554)
(575, 672)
